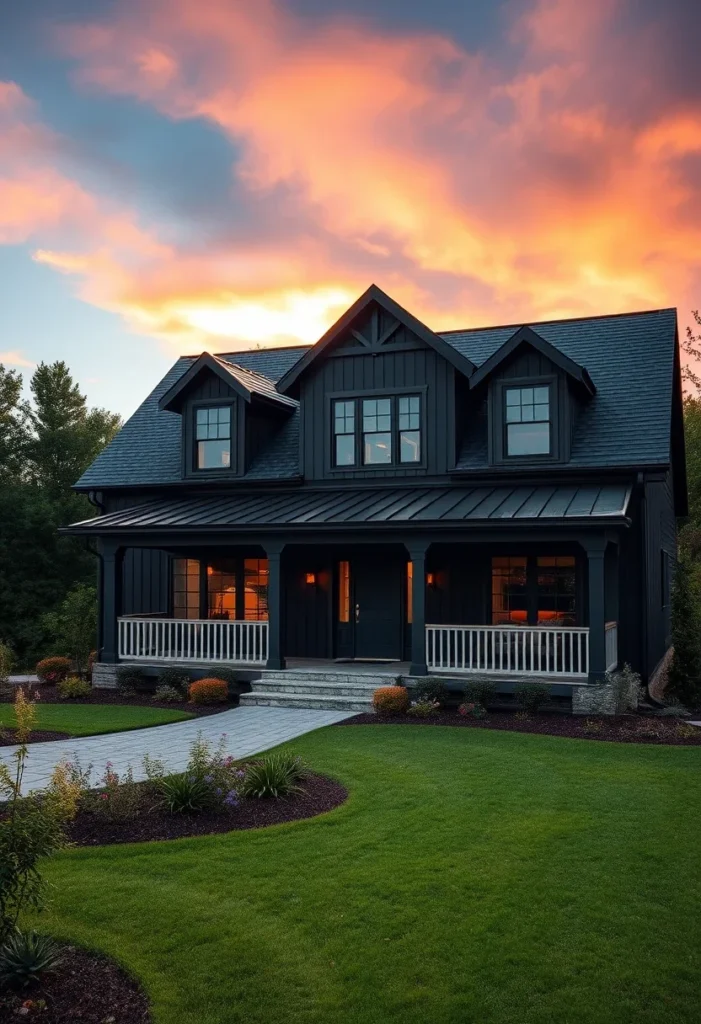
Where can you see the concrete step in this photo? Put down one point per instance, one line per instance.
(320, 689)
(301, 700)
(371, 679)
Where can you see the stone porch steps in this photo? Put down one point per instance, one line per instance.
(340, 691)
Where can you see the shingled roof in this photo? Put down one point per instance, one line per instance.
(627, 422)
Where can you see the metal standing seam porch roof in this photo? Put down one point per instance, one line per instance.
(306, 508)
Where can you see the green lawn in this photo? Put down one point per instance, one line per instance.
(473, 876)
(91, 719)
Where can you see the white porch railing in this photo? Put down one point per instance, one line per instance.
(224, 640)
(611, 646)
(521, 650)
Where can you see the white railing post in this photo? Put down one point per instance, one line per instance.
(561, 651)
(151, 639)
(611, 646)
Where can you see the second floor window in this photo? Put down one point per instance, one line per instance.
(213, 437)
(389, 431)
(527, 421)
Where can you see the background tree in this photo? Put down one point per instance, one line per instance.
(685, 670)
(45, 445)
(73, 626)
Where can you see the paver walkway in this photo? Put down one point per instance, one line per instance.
(247, 730)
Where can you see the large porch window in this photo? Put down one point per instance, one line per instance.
(225, 588)
(534, 590)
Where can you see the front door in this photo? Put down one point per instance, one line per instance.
(377, 607)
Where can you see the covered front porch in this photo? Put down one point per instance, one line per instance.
(507, 608)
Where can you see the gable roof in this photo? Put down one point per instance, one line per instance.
(630, 358)
(527, 336)
(373, 295)
(246, 383)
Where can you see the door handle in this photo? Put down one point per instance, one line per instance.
(357, 613)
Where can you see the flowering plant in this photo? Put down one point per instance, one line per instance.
(473, 710)
(424, 707)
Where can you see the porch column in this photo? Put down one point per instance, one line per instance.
(276, 657)
(417, 553)
(596, 552)
(111, 556)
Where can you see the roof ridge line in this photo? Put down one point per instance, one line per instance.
(558, 320)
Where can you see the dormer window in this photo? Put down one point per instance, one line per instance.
(527, 421)
(213, 437)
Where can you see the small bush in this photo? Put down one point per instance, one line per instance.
(120, 799)
(164, 694)
(130, 679)
(480, 691)
(7, 660)
(53, 670)
(472, 710)
(73, 688)
(274, 776)
(185, 794)
(531, 696)
(208, 691)
(592, 725)
(432, 690)
(391, 700)
(684, 731)
(424, 707)
(25, 957)
(672, 709)
(174, 678)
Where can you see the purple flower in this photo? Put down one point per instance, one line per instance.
(209, 779)
(231, 799)
(218, 791)
(240, 773)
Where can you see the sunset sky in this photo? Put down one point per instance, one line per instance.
(179, 175)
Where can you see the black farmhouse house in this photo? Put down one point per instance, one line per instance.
(497, 501)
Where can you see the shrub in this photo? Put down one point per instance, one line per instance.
(230, 676)
(424, 707)
(25, 957)
(672, 709)
(480, 691)
(53, 670)
(592, 725)
(432, 690)
(391, 700)
(92, 658)
(130, 679)
(473, 710)
(120, 799)
(174, 678)
(685, 731)
(276, 775)
(208, 691)
(685, 669)
(167, 695)
(185, 794)
(531, 696)
(73, 688)
(7, 660)
(30, 828)
(73, 625)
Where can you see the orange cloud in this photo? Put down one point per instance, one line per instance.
(472, 190)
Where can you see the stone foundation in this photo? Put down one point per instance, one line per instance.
(104, 676)
(616, 694)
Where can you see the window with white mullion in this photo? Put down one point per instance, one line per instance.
(344, 433)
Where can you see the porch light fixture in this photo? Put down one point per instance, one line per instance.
(311, 578)
(430, 579)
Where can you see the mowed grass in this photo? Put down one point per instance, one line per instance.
(472, 876)
(92, 719)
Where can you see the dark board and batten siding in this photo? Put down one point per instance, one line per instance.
(659, 553)
(384, 371)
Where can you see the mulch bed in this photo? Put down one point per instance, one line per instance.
(48, 695)
(320, 794)
(623, 729)
(88, 988)
(8, 737)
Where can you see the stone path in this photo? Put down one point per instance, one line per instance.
(248, 731)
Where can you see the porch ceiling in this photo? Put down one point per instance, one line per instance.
(420, 506)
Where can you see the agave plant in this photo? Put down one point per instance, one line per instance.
(275, 775)
(25, 957)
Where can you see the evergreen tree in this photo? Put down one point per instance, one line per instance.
(685, 670)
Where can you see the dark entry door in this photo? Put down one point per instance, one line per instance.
(377, 610)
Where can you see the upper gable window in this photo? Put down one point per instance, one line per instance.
(527, 421)
(389, 431)
(213, 437)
